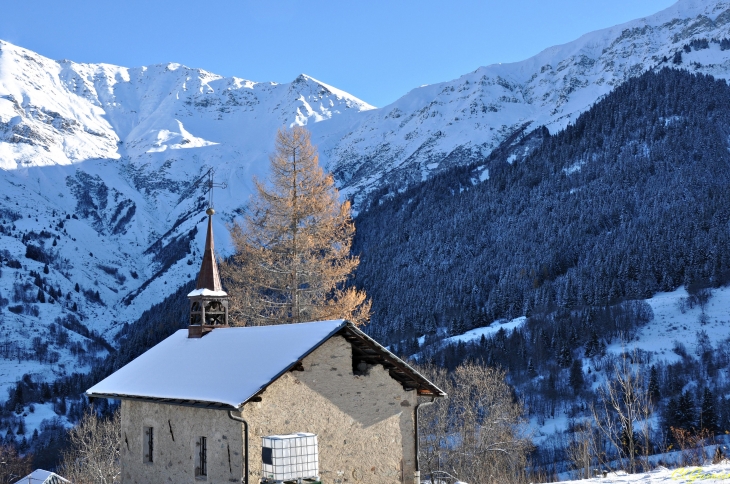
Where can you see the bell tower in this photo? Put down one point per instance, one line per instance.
(208, 302)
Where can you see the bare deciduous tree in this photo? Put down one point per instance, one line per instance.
(691, 445)
(477, 434)
(580, 448)
(623, 414)
(293, 256)
(93, 456)
(12, 465)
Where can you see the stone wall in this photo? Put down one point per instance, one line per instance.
(176, 432)
(364, 423)
(364, 426)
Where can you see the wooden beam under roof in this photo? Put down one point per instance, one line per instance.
(370, 351)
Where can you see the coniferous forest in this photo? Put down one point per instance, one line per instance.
(573, 230)
(628, 200)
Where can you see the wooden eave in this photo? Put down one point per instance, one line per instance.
(167, 401)
(366, 349)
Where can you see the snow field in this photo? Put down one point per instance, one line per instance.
(710, 474)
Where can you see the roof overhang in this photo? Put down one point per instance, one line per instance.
(167, 401)
(367, 349)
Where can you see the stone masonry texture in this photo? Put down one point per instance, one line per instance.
(364, 423)
(176, 432)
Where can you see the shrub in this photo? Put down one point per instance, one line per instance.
(36, 253)
(113, 271)
(93, 296)
(31, 310)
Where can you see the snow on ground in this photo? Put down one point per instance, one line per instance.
(40, 413)
(550, 426)
(671, 325)
(710, 474)
(476, 334)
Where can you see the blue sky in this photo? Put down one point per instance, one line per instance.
(376, 50)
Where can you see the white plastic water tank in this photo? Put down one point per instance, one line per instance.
(290, 457)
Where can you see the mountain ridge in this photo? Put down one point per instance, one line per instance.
(479, 110)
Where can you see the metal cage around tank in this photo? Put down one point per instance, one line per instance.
(292, 457)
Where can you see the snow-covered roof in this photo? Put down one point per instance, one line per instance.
(207, 292)
(228, 366)
(39, 476)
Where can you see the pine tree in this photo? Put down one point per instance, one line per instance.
(292, 260)
(670, 414)
(23, 446)
(708, 416)
(686, 412)
(530, 368)
(654, 392)
(576, 378)
(592, 346)
(723, 414)
(565, 357)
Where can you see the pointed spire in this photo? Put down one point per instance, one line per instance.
(208, 302)
(208, 278)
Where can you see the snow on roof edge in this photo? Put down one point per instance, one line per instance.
(199, 402)
(41, 475)
(207, 292)
(342, 324)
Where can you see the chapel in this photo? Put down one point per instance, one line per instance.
(308, 402)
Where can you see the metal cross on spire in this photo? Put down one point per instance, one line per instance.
(210, 185)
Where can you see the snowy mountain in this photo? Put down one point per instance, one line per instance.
(434, 127)
(99, 212)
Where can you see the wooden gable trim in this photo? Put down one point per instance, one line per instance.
(372, 352)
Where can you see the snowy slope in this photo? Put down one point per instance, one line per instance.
(98, 161)
(434, 127)
(710, 474)
(674, 327)
(673, 323)
(476, 334)
(97, 170)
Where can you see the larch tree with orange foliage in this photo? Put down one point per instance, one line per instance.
(292, 260)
